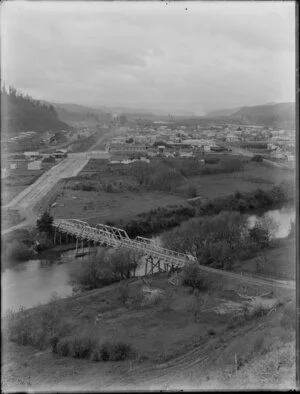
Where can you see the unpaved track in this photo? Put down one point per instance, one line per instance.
(69, 167)
(158, 376)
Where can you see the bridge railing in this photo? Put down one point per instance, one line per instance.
(114, 236)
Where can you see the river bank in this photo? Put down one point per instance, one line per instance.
(162, 335)
(37, 279)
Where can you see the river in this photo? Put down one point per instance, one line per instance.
(35, 281)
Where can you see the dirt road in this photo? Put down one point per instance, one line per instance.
(28, 198)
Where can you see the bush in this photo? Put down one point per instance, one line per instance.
(288, 319)
(192, 276)
(257, 158)
(40, 328)
(16, 251)
(44, 223)
(81, 346)
(123, 291)
(63, 347)
(117, 351)
(191, 191)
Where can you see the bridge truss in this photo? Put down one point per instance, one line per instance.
(101, 234)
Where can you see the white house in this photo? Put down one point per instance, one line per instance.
(34, 165)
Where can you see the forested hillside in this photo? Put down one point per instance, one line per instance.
(280, 115)
(23, 113)
(273, 115)
(70, 113)
(71, 117)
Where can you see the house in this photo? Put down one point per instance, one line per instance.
(161, 148)
(4, 173)
(34, 165)
(31, 154)
(277, 155)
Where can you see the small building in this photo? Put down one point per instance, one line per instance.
(4, 173)
(31, 154)
(13, 166)
(34, 165)
(161, 148)
(277, 155)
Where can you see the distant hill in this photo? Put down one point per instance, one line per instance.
(281, 115)
(23, 113)
(70, 113)
(221, 112)
(277, 115)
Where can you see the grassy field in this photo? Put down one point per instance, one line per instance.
(254, 176)
(278, 262)
(99, 205)
(222, 337)
(10, 217)
(19, 179)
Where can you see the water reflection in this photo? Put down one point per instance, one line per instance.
(35, 281)
(282, 217)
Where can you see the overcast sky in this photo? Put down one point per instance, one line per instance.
(152, 55)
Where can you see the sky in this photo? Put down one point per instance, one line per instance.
(169, 56)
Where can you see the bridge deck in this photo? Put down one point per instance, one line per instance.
(115, 237)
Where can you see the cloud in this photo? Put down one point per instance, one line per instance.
(150, 54)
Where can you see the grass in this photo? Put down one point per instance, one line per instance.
(19, 179)
(151, 334)
(138, 322)
(122, 202)
(10, 217)
(280, 262)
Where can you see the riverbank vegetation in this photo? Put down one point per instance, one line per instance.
(188, 318)
(119, 192)
(161, 219)
(107, 267)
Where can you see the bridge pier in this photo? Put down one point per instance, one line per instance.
(101, 235)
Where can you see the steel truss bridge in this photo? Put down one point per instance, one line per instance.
(166, 259)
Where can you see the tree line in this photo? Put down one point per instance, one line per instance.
(23, 113)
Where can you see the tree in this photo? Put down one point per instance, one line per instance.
(191, 191)
(45, 223)
(292, 229)
(257, 158)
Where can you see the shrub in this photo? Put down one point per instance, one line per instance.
(257, 158)
(192, 276)
(117, 351)
(136, 298)
(39, 328)
(123, 291)
(258, 311)
(16, 251)
(44, 223)
(259, 235)
(211, 332)
(191, 191)
(288, 319)
(82, 346)
(63, 347)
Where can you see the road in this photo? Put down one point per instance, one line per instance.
(29, 197)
